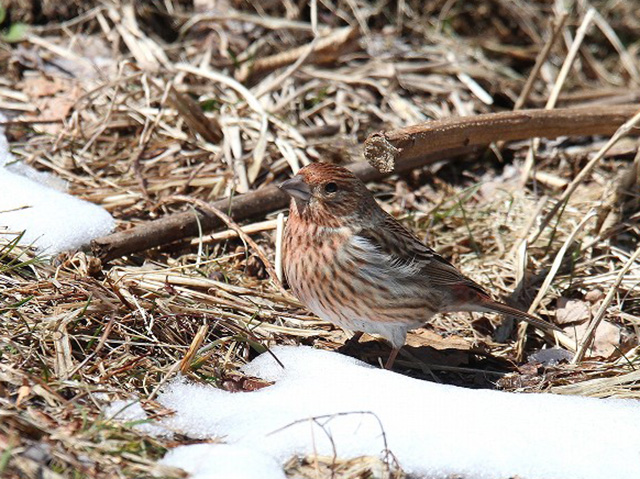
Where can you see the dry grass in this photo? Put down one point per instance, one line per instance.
(89, 98)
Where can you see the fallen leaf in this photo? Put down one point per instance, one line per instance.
(594, 296)
(425, 337)
(572, 311)
(40, 86)
(236, 383)
(606, 341)
(56, 107)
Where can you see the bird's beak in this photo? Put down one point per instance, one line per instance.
(297, 188)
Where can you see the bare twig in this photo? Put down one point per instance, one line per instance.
(194, 117)
(568, 62)
(252, 101)
(234, 226)
(557, 86)
(620, 132)
(252, 228)
(555, 267)
(325, 49)
(558, 23)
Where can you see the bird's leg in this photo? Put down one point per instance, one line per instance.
(352, 341)
(392, 358)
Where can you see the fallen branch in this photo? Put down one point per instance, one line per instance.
(384, 149)
(406, 148)
(183, 225)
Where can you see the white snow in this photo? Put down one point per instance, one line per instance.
(131, 411)
(35, 202)
(222, 461)
(433, 430)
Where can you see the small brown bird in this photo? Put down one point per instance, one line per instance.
(353, 264)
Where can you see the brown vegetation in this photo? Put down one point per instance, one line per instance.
(141, 104)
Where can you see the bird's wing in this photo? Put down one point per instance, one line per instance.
(396, 252)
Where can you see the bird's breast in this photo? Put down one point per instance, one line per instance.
(334, 275)
(310, 256)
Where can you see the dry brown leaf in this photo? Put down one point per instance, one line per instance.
(39, 86)
(572, 311)
(56, 107)
(424, 337)
(606, 340)
(594, 296)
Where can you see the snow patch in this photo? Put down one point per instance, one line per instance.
(131, 411)
(433, 430)
(222, 461)
(35, 202)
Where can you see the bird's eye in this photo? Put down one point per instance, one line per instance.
(330, 187)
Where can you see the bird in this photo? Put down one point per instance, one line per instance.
(354, 265)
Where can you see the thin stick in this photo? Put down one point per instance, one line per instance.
(276, 82)
(557, 262)
(571, 55)
(326, 49)
(595, 322)
(31, 122)
(234, 226)
(251, 229)
(623, 130)
(522, 235)
(266, 87)
(625, 57)
(264, 21)
(558, 24)
(194, 117)
(252, 101)
(557, 86)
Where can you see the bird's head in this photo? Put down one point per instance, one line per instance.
(328, 195)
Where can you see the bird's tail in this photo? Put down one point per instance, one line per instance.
(491, 306)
